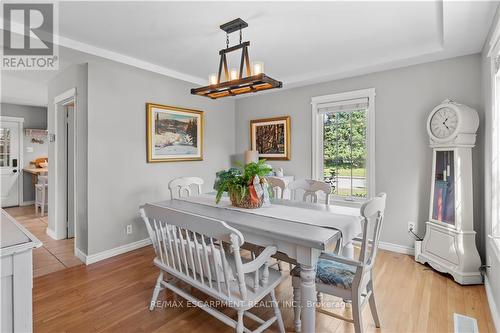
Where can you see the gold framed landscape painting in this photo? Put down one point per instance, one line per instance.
(173, 134)
(271, 137)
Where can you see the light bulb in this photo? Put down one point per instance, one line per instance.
(233, 75)
(257, 67)
(212, 79)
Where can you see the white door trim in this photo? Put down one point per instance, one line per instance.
(60, 231)
(67, 95)
(20, 162)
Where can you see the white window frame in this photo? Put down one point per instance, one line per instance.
(493, 128)
(317, 134)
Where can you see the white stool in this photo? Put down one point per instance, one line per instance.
(41, 196)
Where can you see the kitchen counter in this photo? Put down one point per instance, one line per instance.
(16, 246)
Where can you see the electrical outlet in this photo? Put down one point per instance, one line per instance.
(129, 229)
(411, 226)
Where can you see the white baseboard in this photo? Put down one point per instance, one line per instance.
(80, 255)
(27, 203)
(52, 234)
(392, 247)
(396, 248)
(493, 306)
(90, 259)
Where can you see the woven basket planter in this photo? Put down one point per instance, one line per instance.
(245, 202)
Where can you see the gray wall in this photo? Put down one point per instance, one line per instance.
(34, 117)
(492, 249)
(73, 77)
(119, 178)
(404, 99)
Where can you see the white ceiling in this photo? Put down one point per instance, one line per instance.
(300, 42)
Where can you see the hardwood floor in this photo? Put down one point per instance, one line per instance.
(54, 255)
(113, 296)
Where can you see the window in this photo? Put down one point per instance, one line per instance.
(343, 143)
(4, 147)
(492, 142)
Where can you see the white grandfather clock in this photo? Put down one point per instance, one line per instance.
(449, 244)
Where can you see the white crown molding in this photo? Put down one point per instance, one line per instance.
(115, 56)
(118, 57)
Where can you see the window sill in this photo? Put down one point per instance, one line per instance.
(346, 203)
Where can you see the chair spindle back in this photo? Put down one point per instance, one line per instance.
(278, 185)
(184, 184)
(205, 251)
(310, 188)
(373, 214)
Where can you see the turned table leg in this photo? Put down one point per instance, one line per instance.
(308, 298)
(348, 250)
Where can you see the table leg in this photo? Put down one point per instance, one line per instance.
(348, 250)
(308, 298)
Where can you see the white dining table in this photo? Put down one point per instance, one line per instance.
(302, 243)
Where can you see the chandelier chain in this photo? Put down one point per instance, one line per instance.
(240, 36)
(227, 40)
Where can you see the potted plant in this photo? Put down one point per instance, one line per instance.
(247, 187)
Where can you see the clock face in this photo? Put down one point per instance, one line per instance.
(444, 122)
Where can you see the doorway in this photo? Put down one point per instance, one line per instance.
(11, 155)
(63, 138)
(69, 142)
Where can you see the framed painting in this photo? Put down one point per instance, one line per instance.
(173, 134)
(271, 137)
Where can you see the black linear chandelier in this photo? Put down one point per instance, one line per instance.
(234, 82)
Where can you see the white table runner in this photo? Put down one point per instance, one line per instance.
(344, 219)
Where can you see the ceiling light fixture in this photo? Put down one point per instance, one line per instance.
(235, 83)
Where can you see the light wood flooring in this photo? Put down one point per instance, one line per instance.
(113, 296)
(54, 255)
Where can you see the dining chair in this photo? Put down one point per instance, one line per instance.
(278, 185)
(184, 184)
(205, 254)
(310, 188)
(347, 278)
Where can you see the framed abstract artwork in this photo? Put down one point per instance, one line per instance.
(271, 137)
(173, 134)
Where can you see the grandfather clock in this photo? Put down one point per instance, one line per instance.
(449, 244)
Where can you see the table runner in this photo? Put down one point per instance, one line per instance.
(344, 219)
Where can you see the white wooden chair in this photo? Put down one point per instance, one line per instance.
(206, 255)
(347, 278)
(310, 188)
(278, 185)
(184, 184)
(41, 194)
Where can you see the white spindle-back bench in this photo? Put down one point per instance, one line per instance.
(205, 253)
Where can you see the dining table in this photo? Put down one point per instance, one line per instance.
(300, 231)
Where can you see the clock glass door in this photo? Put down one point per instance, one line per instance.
(443, 207)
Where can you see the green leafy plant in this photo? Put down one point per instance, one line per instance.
(235, 181)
